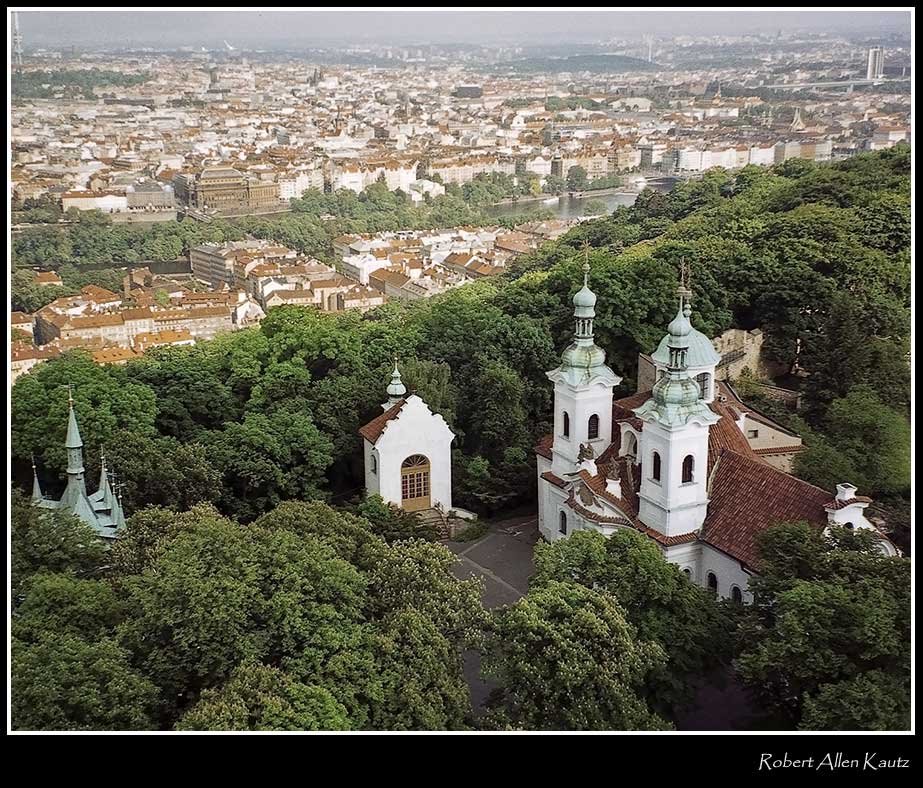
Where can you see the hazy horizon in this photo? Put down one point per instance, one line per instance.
(267, 28)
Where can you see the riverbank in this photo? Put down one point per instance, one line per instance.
(576, 195)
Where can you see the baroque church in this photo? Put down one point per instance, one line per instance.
(102, 510)
(673, 463)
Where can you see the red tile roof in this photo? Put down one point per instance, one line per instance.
(770, 450)
(835, 505)
(543, 447)
(372, 431)
(746, 496)
(557, 481)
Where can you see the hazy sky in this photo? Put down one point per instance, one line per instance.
(265, 28)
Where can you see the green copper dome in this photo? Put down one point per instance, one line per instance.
(700, 351)
(583, 356)
(585, 297)
(671, 390)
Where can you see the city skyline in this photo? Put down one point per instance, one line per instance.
(287, 28)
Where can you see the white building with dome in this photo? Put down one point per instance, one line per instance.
(673, 463)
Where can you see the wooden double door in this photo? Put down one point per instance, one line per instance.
(415, 483)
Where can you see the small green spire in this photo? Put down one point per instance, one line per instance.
(74, 441)
(36, 487)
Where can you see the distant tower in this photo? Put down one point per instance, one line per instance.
(876, 63)
(650, 49)
(17, 42)
(797, 122)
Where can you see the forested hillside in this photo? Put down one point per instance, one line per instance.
(245, 601)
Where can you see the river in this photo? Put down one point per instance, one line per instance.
(567, 207)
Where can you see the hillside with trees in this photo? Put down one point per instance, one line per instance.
(222, 437)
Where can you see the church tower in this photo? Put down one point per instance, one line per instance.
(674, 441)
(582, 390)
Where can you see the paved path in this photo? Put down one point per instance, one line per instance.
(503, 559)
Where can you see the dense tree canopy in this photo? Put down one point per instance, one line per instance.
(567, 659)
(694, 630)
(831, 620)
(305, 619)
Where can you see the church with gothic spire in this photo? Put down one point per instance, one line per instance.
(101, 510)
(672, 463)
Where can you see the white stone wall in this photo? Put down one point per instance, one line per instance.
(416, 430)
(580, 403)
(372, 471)
(728, 570)
(670, 506)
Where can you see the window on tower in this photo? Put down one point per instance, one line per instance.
(565, 430)
(655, 471)
(704, 381)
(592, 429)
(688, 467)
(562, 524)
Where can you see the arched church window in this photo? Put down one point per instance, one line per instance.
(736, 595)
(688, 572)
(562, 524)
(592, 429)
(566, 429)
(848, 526)
(704, 380)
(655, 472)
(374, 464)
(688, 466)
(712, 582)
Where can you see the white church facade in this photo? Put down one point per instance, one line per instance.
(408, 453)
(673, 463)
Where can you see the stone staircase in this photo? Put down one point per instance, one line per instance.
(436, 519)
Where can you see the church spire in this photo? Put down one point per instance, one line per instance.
(36, 487)
(73, 441)
(396, 388)
(584, 305)
(76, 486)
(676, 398)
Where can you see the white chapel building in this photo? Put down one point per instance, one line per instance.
(673, 463)
(408, 453)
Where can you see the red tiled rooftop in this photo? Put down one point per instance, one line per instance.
(372, 431)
